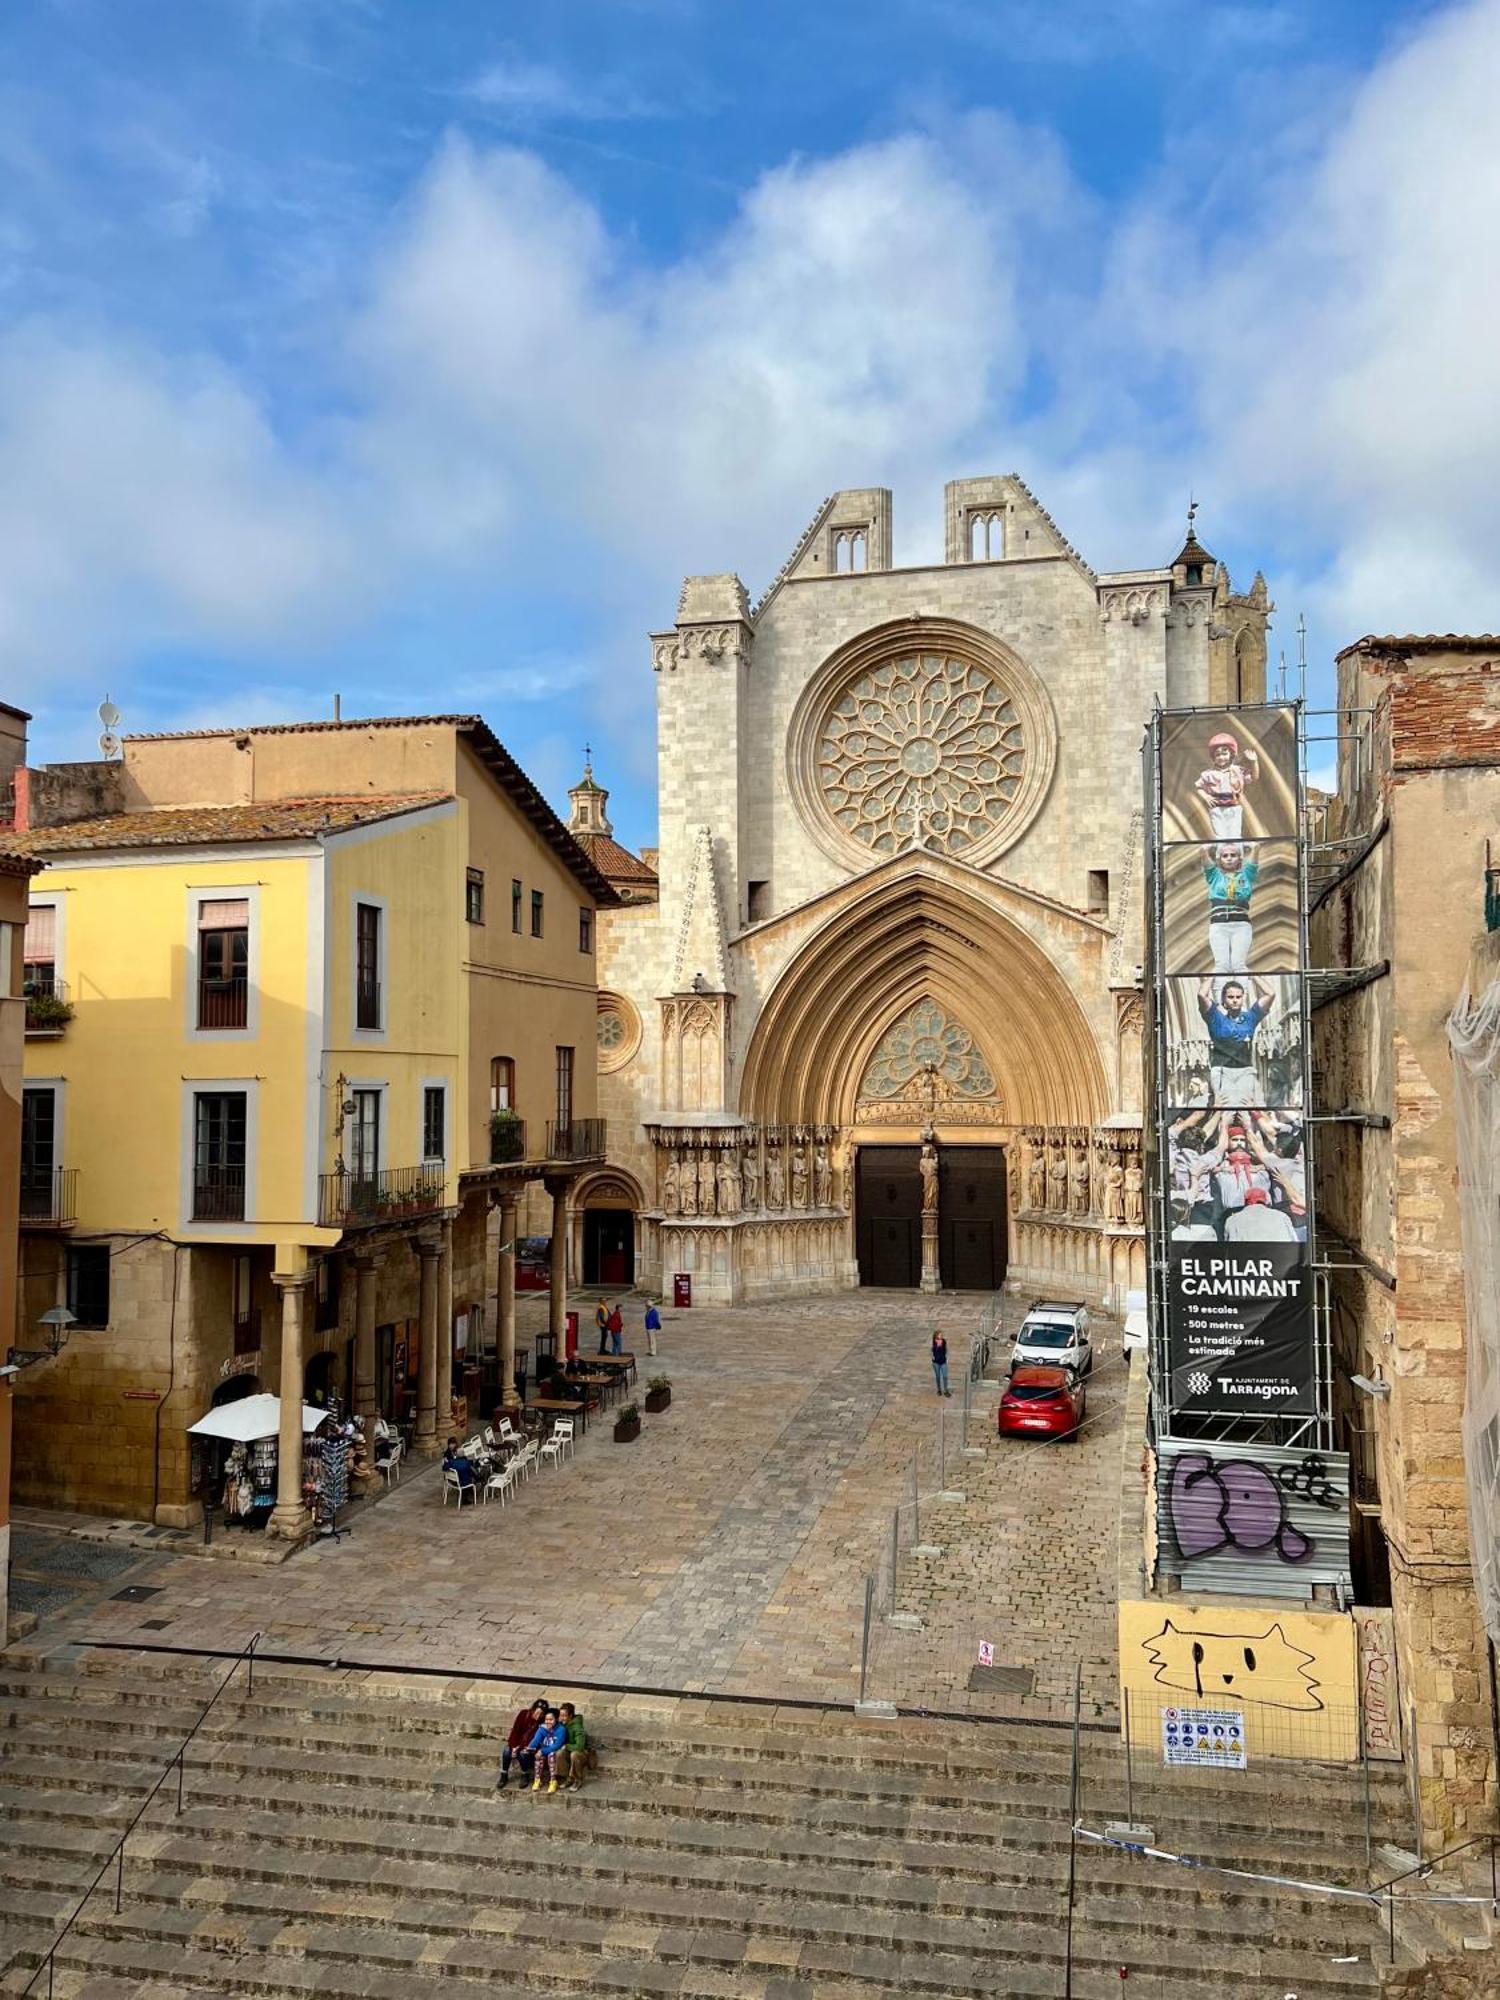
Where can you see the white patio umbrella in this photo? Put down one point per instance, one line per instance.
(252, 1417)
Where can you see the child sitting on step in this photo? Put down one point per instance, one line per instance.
(548, 1744)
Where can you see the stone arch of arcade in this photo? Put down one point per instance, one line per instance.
(922, 935)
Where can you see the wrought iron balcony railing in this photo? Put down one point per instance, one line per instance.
(218, 1194)
(49, 1197)
(364, 1201)
(507, 1138)
(577, 1139)
(224, 1003)
(48, 1005)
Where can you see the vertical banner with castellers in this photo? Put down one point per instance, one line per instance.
(1231, 1213)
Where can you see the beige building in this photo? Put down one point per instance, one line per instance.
(877, 1018)
(316, 1055)
(1391, 932)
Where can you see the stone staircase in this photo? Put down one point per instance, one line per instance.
(342, 1837)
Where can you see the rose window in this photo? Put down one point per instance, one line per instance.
(617, 1031)
(927, 747)
(611, 1031)
(927, 1041)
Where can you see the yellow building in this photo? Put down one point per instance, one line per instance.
(320, 996)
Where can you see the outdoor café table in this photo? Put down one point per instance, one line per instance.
(563, 1406)
(604, 1381)
(621, 1363)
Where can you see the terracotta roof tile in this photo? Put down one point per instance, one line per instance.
(193, 826)
(1425, 642)
(614, 862)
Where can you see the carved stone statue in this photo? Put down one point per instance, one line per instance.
(1013, 1177)
(799, 1175)
(1057, 1183)
(688, 1201)
(822, 1178)
(1078, 1182)
(670, 1193)
(1114, 1190)
(775, 1176)
(1135, 1198)
(728, 1175)
(750, 1177)
(1036, 1177)
(705, 1182)
(929, 1173)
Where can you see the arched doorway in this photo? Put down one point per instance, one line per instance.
(608, 1206)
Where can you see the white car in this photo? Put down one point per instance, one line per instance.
(1055, 1333)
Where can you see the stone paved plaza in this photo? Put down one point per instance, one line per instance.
(725, 1550)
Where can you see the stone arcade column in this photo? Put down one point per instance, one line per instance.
(426, 1444)
(365, 1264)
(557, 1317)
(290, 1519)
(445, 1327)
(505, 1297)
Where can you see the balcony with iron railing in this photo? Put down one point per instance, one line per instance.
(49, 1197)
(507, 1138)
(48, 1006)
(365, 1201)
(224, 1003)
(575, 1140)
(218, 1193)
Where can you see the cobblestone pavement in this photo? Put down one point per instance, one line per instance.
(726, 1549)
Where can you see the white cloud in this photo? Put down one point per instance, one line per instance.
(516, 88)
(142, 505)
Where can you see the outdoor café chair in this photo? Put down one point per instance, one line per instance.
(390, 1465)
(453, 1484)
(560, 1441)
(500, 1481)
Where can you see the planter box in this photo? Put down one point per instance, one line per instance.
(627, 1430)
(657, 1400)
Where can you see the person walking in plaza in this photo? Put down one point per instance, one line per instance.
(601, 1320)
(940, 1363)
(525, 1726)
(578, 1755)
(653, 1325)
(547, 1746)
(616, 1332)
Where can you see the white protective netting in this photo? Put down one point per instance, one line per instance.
(1474, 1032)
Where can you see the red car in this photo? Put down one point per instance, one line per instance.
(1042, 1402)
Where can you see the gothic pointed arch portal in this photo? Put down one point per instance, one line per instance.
(922, 937)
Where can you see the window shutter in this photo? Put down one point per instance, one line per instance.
(226, 916)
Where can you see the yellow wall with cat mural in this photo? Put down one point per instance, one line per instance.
(1292, 1673)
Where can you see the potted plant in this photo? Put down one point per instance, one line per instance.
(658, 1394)
(47, 1012)
(507, 1137)
(628, 1425)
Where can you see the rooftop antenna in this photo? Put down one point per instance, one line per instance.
(1281, 677)
(109, 741)
(1302, 656)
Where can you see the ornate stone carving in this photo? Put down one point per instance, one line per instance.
(1036, 1172)
(688, 1194)
(775, 1170)
(822, 1175)
(671, 1198)
(727, 1175)
(923, 747)
(706, 1183)
(929, 1170)
(799, 1172)
(1057, 1178)
(1114, 1190)
(926, 1040)
(1135, 1198)
(1078, 1181)
(750, 1177)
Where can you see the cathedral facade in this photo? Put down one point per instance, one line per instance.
(871, 1013)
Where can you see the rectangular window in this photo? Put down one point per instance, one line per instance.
(536, 913)
(758, 907)
(367, 966)
(502, 1084)
(364, 1137)
(224, 964)
(38, 1152)
(474, 895)
(516, 897)
(564, 1088)
(88, 1283)
(219, 1126)
(1098, 903)
(40, 950)
(585, 928)
(434, 1118)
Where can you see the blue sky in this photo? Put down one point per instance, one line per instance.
(415, 349)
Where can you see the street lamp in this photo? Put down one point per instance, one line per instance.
(57, 1320)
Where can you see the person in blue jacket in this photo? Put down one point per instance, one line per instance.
(550, 1740)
